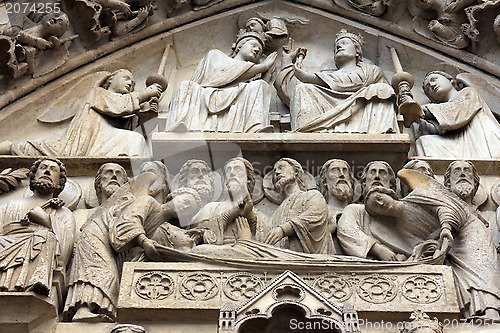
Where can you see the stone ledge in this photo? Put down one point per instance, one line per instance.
(167, 291)
(265, 148)
(25, 312)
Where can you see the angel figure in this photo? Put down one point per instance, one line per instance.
(442, 20)
(458, 123)
(372, 7)
(91, 131)
(36, 49)
(95, 19)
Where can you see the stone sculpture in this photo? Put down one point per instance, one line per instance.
(472, 255)
(496, 27)
(178, 244)
(355, 231)
(118, 225)
(219, 217)
(420, 166)
(91, 132)
(274, 30)
(458, 123)
(336, 183)
(461, 178)
(372, 7)
(93, 274)
(442, 20)
(182, 204)
(160, 188)
(303, 216)
(11, 179)
(36, 50)
(95, 19)
(422, 323)
(495, 196)
(355, 98)
(404, 227)
(225, 94)
(108, 179)
(36, 238)
(197, 175)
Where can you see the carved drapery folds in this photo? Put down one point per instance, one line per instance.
(297, 195)
(37, 234)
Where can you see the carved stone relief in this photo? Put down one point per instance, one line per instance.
(37, 46)
(347, 232)
(421, 289)
(199, 286)
(377, 289)
(242, 286)
(334, 287)
(154, 286)
(37, 233)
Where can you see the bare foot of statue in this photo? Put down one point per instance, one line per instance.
(243, 228)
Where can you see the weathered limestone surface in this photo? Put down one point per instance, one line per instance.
(255, 173)
(168, 289)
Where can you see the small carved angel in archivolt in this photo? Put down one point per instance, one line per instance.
(443, 20)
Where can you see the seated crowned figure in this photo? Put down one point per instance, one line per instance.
(354, 98)
(225, 94)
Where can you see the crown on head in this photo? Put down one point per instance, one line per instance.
(343, 33)
(242, 35)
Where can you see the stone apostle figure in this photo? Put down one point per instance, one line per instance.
(420, 166)
(219, 217)
(92, 276)
(225, 94)
(127, 219)
(91, 132)
(463, 238)
(198, 175)
(36, 238)
(355, 98)
(355, 230)
(108, 179)
(336, 183)
(458, 123)
(302, 216)
(160, 188)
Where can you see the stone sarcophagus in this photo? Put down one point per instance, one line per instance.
(171, 291)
